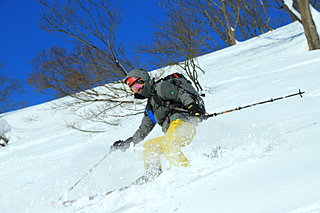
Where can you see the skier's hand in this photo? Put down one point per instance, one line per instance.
(195, 110)
(120, 145)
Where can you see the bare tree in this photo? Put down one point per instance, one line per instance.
(178, 42)
(97, 59)
(223, 22)
(281, 5)
(93, 23)
(232, 20)
(8, 87)
(310, 28)
(197, 27)
(301, 11)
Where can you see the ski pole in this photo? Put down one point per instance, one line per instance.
(206, 116)
(88, 172)
(254, 104)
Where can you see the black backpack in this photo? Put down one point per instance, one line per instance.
(181, 81)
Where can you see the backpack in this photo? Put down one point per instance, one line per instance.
(178, 80)
(181, 81)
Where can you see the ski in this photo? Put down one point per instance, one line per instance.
(140, 181)
(68, 203)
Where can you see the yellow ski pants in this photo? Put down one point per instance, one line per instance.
(178, 135)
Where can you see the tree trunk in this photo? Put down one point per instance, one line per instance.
(309, 26)
(231, 40)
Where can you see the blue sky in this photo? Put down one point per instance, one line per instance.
(21, 37)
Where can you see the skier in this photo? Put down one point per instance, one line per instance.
(165, 97)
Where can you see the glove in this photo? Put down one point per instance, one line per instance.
(195, 109)
(121, 145)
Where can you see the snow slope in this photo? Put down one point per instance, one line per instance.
(268, 159)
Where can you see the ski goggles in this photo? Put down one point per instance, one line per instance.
(136, 84)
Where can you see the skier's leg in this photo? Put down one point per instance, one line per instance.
(151, 155)
(179, 134)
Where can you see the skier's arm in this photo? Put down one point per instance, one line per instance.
(144, 129)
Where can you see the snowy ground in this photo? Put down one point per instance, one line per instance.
(269, 159)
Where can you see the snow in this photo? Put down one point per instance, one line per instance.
(289, 3)
(315, 14)
(268, 159)
(4, 127)
(316, 17)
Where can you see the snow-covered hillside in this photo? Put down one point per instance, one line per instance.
(268, 160)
